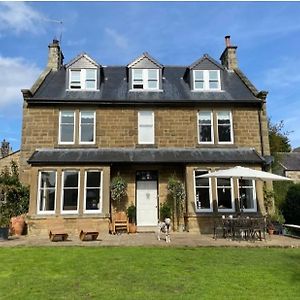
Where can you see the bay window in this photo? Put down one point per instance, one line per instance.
(225, 195)
(247, 195)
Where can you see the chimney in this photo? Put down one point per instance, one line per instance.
(55, 56)
(228, 57)
(4, 148)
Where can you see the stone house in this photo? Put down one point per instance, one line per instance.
(84, 122)
(289, 164)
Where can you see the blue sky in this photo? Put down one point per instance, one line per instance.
(175, 33)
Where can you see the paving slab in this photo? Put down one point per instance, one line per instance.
(183, 239)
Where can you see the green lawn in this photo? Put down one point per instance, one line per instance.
(149, 273)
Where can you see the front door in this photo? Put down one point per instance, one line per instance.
(146, 203)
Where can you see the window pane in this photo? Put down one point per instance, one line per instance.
(71, 179)
(205, 117)
(152, 84)
(93, 179)
(87, 117)
(70, 199)
(205, 133)
(47, 179)
(146, 118)
(224, 133)
(198, 75)
(75, 75)
(67, 117)
(67, 133)
(199, 85)
(213, 75)
(224, 182)
(92, 199)
(202, 198)
(223, 117)
(87, 133)
(90, 74)
(213, 85)
(146, 134)
(224, 193)
(137, 74)
(47, 199)
(246, 195)
(152, 74)
(90, 84)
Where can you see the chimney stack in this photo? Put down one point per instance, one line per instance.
(55, 56)
(228, 57)
(4, 148)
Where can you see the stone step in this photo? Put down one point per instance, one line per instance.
(146, 228)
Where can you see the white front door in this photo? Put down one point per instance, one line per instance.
(146, 203)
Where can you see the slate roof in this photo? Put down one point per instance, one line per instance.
(290, 161)
(129, 155)
(115, 89)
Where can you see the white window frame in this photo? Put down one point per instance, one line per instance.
(210, 194)
(145, 79)
(206, 81)
(59, 127)
(212, 127)
(45, 212)
(254, 209)
(231, 128)
(231, 193)
(83, 79)
(140, 141)
(69, 212)
(93, 211)
(94, 129)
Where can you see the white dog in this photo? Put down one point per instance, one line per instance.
(164, 227)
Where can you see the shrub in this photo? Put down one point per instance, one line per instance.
(165, 211)
(291, 208)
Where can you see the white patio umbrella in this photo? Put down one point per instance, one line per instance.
(245, 173)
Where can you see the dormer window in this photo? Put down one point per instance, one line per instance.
(206, 80)
(145, 79)
(83, 79)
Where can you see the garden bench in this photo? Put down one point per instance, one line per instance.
(88, 235)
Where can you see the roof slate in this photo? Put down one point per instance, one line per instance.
(115, 88)
(130, 155)
(290, 161)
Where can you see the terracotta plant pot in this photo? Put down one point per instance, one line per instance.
(132, 228)
(271, 231)
(17, 225)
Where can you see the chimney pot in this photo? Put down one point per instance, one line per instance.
(227, 41)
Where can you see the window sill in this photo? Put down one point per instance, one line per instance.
(143, 146)
(82, 90)
(145, 91)
(209, 91)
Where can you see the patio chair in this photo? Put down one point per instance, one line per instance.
(242, 228)
(258, 228)
(223, 226)
(119, 222)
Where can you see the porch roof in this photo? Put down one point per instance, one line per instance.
(132, 155)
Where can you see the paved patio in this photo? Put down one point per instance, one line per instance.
(149, 239)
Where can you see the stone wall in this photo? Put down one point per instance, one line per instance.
(295, 175)
(6, 161)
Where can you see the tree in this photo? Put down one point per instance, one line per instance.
(14, 196)
(279, 141)
(291, 207)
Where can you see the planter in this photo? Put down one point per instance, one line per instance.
(132, 228)
(17, 225)
(4, 233)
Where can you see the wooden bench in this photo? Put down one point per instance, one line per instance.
(119, 222)
(88, 235)
(57, 235)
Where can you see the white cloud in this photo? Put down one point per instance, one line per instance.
(20, 17)
(120, 40)
(16, 74)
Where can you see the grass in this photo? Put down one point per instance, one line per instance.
(149, 273)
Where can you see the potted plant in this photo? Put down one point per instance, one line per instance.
(131, 213)
(118, 191)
